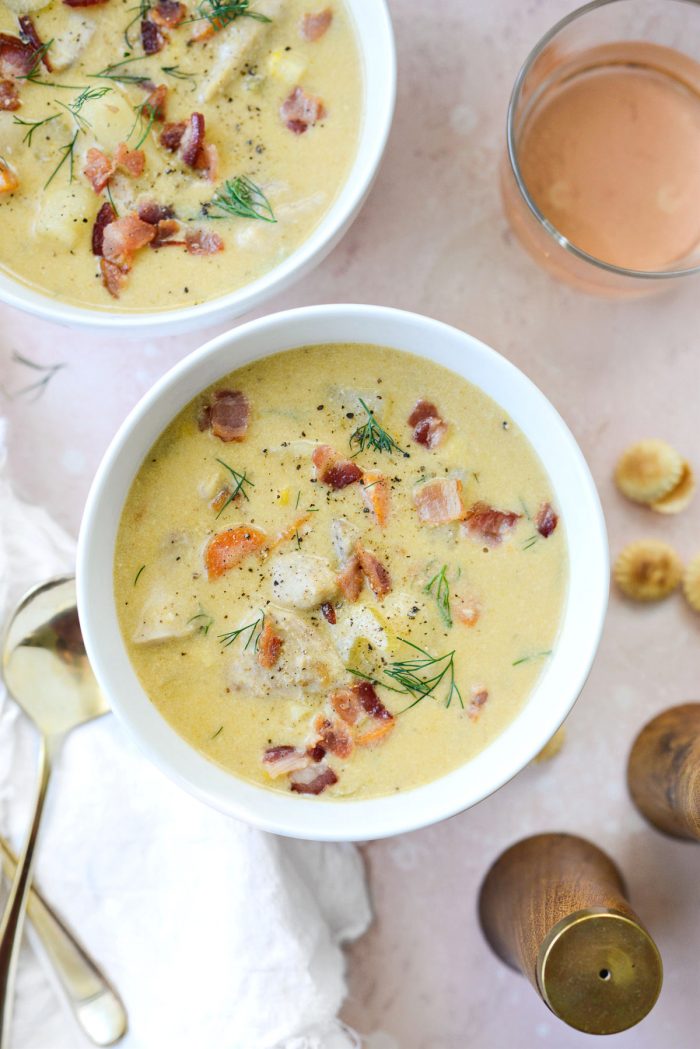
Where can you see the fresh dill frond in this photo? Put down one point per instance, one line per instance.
(138, 574)
(220, 13)
(529, 659)
(218, 732)
(204, 625)
(439, 584)
(38, 57)
(373, 435)
(144, 108)
(253, 630)
(68, 154)
(530, 542)
(142, 9)
(110, 198)
(113, 72)
(419, 676)
(239, 483)
(178, 74)
(242, 197)
(33, 125)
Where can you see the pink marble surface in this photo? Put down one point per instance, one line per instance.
(432, 238)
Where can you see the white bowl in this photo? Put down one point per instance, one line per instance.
(555, 692)
(378, 56)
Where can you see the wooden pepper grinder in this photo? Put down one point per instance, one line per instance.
(664, 771)
(554, 907)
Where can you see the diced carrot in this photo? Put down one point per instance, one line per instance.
(269, 646)
(8, 180)
(469, 613)
(227, 549)
(375, 492)
(375, 734)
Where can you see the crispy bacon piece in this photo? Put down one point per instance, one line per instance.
(370, 701)
(429, 428)
(208, 161)
(487, 525)
(203, 242)
(192, 139)
(8, 180)
(546, 520)
(166, 231)
(156, 103)
(315, 24)
(131, 161)
(269, 646)
(29, 33)
(227, 549)
(479, 697)
(171, 135)
(375, 492)
(114, 277)
(313, 780)
(9, 96)
(329, 613)
(16, 57)
(168, 13)
(153, 213)
(334, 736)
(226, 415)
(152, 39)
(300, 111)
(105, 215)
(346, 704)
(376, 574)
(123, 238)
(98, 169)
(439, 502)
(332, 469)
(278, 761)
(350, 579)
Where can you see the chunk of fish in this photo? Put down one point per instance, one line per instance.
(302, 580)
(170, 603)
(236, 44)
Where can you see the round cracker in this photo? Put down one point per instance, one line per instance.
(648, 570)
(679, 497)
(551, 749)
(691, 583)
(648, 471)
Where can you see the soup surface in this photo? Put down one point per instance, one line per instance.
(340, 571)
(171, 152)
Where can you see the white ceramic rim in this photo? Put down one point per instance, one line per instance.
(556, 690)
(378, 56)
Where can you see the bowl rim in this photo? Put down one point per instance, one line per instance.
(553, 694)
(374, 33)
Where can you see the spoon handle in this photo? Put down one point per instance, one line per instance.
(95, 1004)
(13, 918)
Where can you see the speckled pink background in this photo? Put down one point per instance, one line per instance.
(432, 238)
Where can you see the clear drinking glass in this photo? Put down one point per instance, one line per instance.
(601, 177)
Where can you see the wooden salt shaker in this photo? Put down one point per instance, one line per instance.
(554, 906)
(663, 772)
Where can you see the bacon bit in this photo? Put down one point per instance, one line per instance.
(123, 237)
(114, 277)
(429, 428)
(208, 161)
(375, 492)
(469, 614)
(16, 58)
(314, 26)
(479, 697)
(192, 139)
(171, 135)
(221, 498)
(131, 161)
(346, 704)
(301, 111)
(329, 613)
(84, 3)
(350, 580)
(156, 103)
(485, 524)
(316, 753)
(105, 215)
(9, 96)
(439, 502)
(376, 574)
(165, 232)
(98, 169)
(334, 736)
(546, 520)
(370, 701)
(333, 470)
(227, 415)
(152, 39)
(203, 242)
(375, 734)
(227, 549)
(8, 180)
(269, 646)
(168, 13)
(153, 213)
(278, 761)
(28, 31)
(311, 781)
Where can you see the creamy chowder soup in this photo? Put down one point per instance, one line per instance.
(340, 571)
(159, 155)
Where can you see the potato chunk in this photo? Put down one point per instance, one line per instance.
(302, 580)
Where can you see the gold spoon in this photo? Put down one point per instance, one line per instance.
(47, 673)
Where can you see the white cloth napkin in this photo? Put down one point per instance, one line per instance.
(217, 936)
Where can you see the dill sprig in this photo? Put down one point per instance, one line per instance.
(254, 630)
(113, 72)
(529, 659)
(47, 372)
(410, 675)
(138, 574)
(239, 483)
(242, 197)
(179, 74)
(68, 155)
(220, 13)
(373, 435)
(33, 125)
(142, 9)
(74, 108)
(38, 59)
(218, 732)
(440, 586)
(139, 119)
(206, 621)
(530, 542)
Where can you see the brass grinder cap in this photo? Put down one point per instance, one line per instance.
(599, 971)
